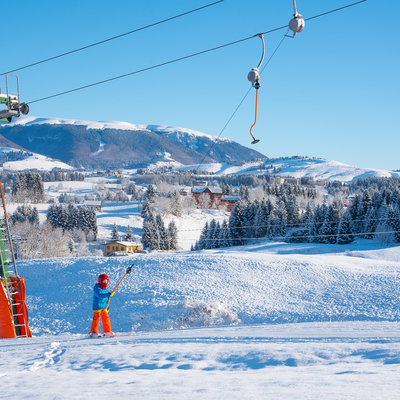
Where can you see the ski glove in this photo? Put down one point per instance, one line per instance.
(112, 294)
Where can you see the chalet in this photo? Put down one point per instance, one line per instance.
(121, 247)
(214, 193)
(229, 202)
(93, 204)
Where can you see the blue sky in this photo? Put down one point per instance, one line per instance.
(331, 92)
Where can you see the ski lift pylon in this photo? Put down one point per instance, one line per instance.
(254, 77)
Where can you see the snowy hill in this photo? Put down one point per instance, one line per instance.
(267, 283)
(13, 159)
(298, 167)
(271, 320)
(121, 144)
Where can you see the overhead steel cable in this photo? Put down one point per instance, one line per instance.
(181, 58)
(112, 38)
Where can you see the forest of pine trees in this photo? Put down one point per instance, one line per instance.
(28, 186)
(373, 213)
(69, 217)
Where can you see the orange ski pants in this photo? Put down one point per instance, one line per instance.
(105, 319)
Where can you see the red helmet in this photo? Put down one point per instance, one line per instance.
(103, 280)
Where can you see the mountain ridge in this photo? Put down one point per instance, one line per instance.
(120, 144)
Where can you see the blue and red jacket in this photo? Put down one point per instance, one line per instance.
(100, 297)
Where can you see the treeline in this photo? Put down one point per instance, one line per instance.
(13, 156)
(371, 214)
(28, 186)
(69, 217)
(32, 240)
(56, 176)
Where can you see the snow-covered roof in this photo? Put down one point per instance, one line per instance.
(212, 189)
(124, 243)
(230, 198)
(94, 203)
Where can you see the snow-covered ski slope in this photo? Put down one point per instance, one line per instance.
(31, 161)
(272, 320)
(347, 360)
(270, 283)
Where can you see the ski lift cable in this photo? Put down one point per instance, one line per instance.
(180, 58)
(112, 38)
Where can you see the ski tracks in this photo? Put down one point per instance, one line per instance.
(51, 356)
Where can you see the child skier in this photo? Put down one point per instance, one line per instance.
(100, 299)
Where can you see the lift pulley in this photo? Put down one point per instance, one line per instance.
(254, 77)
(297, 23)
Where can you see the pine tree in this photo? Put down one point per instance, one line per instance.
(329, 227)
(223, 236)
(114, 233)
(260, 221)
(150, 235)
(162, 233)
(210, 240)
(93, 224)
(280, 220)
(394, 222)
(306, 216)
(128, 234)
(172, 236)
(345, 230)
(150, 194)
(175, 206)
(202, 242)
(147, 209)
(236, 224)
(131, 189)
(292, 210)
(73, 217)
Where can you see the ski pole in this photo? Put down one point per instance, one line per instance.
(128, 271)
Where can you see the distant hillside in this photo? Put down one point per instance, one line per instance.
(14, 159)
(298, 167)
(119, 144)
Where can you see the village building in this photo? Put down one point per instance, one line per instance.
(229, 201)
(214, 194)
(93, 205)
(121, 247)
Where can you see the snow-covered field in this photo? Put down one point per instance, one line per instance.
(294, 361)
(270, 320)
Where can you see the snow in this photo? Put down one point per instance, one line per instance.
(101, 125)
(180, 131)
(267, 320)
(318, 169)
(308, 361)
(34, 161)
(31, 120)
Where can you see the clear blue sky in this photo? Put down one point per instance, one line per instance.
(331, 92)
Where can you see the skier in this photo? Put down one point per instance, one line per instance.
(100, 300)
